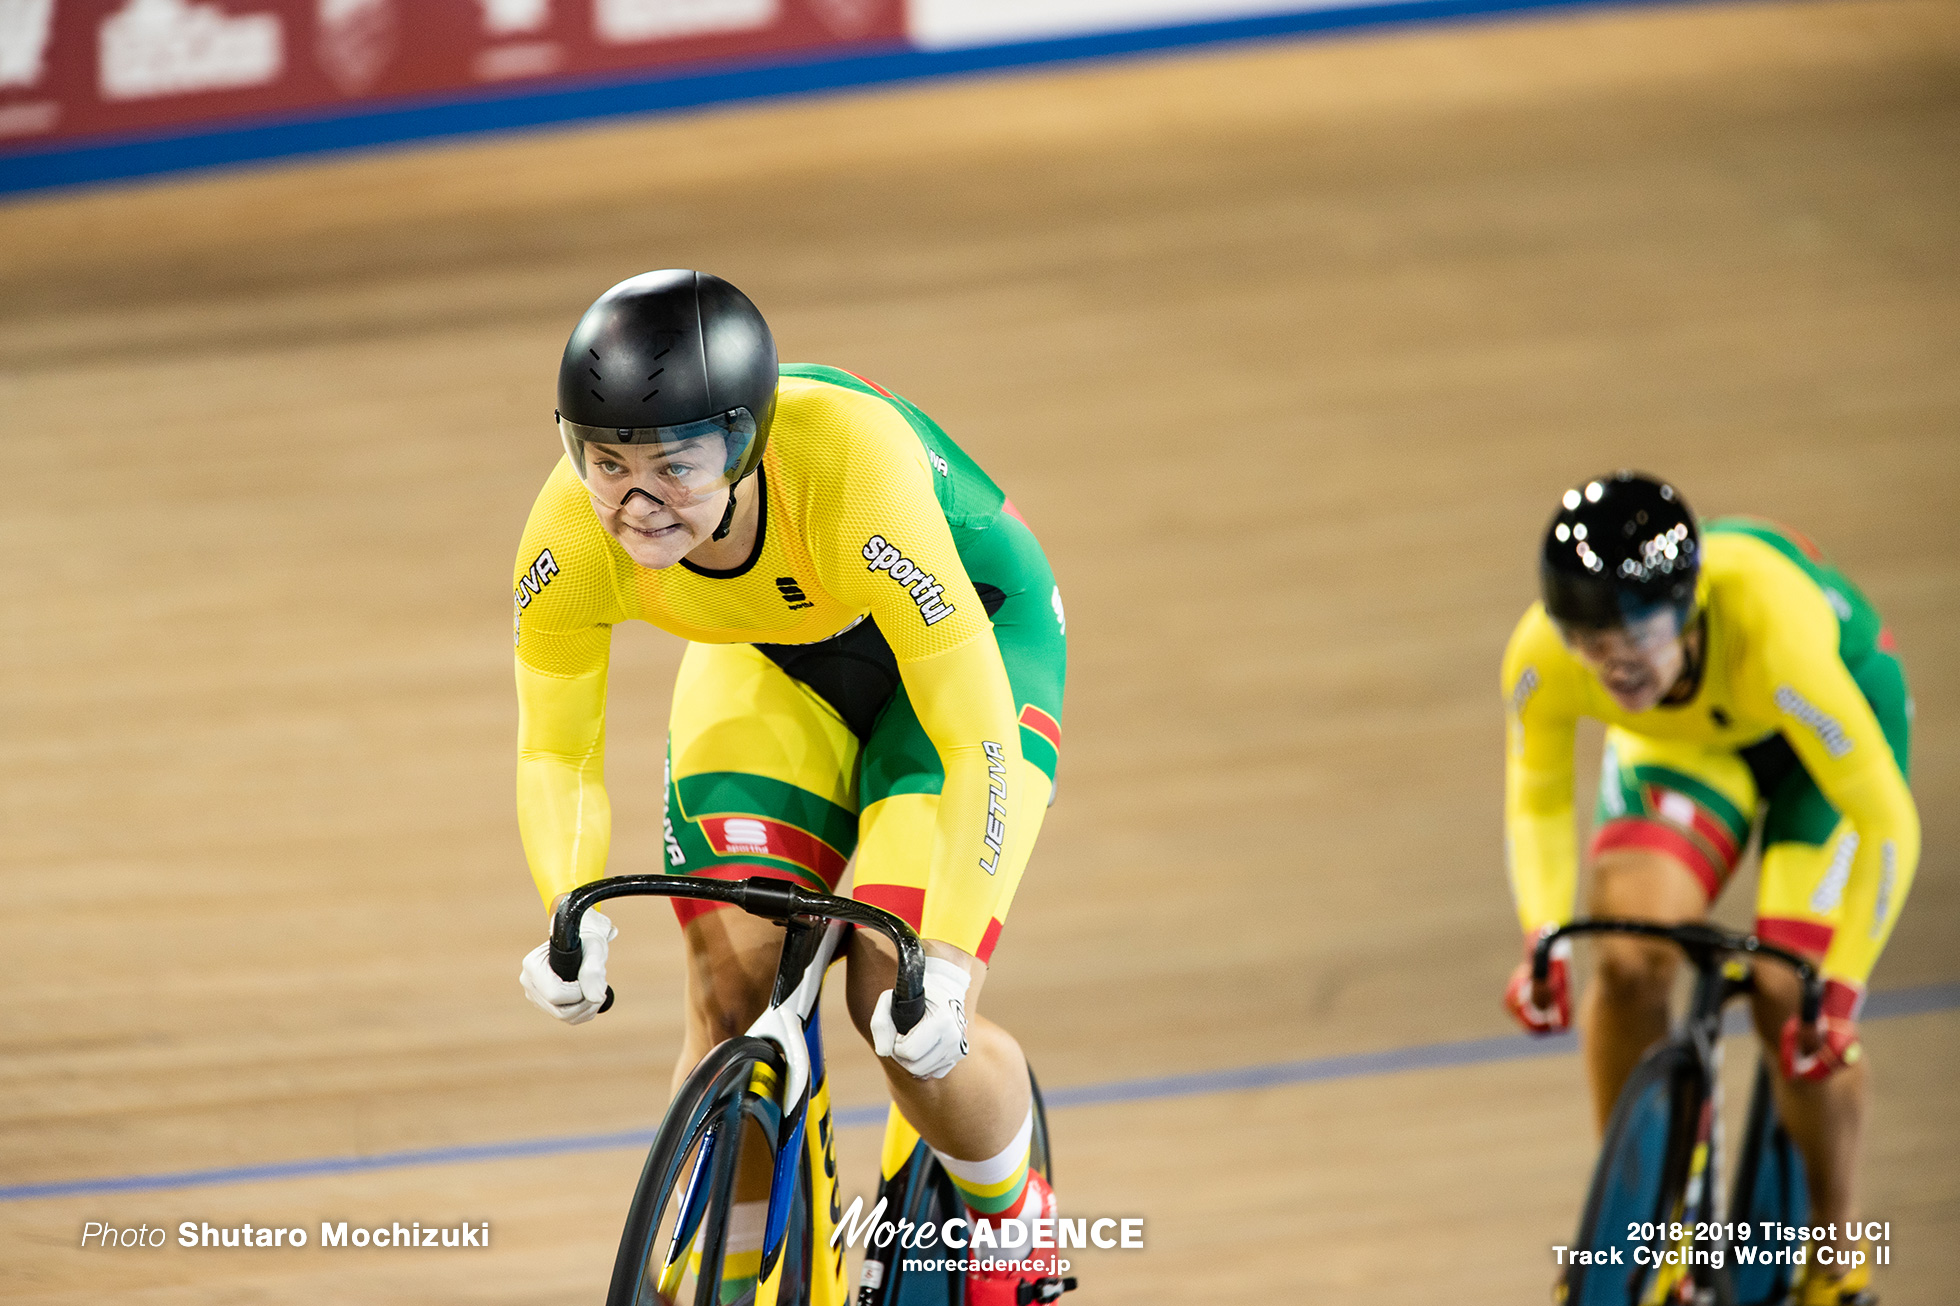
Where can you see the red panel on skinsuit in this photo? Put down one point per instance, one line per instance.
(1638, 832)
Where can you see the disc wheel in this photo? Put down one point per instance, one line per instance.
(1770, 1191)
(1655, 1169)
(676, 1228)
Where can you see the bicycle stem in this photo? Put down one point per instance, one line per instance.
(1692, 939)
(759, 895)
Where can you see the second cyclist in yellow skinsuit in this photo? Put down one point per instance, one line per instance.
(1741, 678)
(1779, 666)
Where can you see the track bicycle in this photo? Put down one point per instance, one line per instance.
(769, 1088)
(1653, 1212)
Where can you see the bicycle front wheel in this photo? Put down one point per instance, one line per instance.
(677, 1226)
(1653, 1184)
(1770, 1195)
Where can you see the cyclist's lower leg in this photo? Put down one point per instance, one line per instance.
(1825, 1118)
(978, 1120)
(731, 967)
(1625, 1008)
(979, 1107)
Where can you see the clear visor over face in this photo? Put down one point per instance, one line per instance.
(674, 466)
(1641, 637)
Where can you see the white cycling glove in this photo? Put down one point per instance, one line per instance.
(935, 1045)
(573, 1003)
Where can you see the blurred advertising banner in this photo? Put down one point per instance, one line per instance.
(98, 90)
(81, 68)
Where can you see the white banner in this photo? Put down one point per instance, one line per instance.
(626, 21)
(948, 24)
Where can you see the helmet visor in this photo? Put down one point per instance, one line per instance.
(675, 466)
(1650, 629)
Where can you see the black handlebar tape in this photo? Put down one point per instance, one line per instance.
(1813, 999)
(565, 963)
(1541, 961)
(909, 985)
(907, 1010)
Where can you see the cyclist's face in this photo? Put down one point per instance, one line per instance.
(1637, 663)
(643, 504)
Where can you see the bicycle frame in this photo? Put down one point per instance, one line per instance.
(814, 929)
(1693, 1168)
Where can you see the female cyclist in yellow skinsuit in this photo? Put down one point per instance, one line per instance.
(1740, 676)
(875, 668)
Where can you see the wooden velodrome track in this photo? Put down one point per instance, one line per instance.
(1284, 351)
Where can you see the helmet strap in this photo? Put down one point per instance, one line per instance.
(727, 514)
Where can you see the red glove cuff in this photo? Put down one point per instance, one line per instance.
(1555, 1017)
(1837, 1029)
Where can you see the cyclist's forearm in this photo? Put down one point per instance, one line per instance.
(563, 814)
(1881, 875)
(565, 821)
(966, 707)
(1542, 857)
(1540, 838)
(973, 843)
(1836, 734)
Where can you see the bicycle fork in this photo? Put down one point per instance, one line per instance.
(799, 1099)
(1685, 1280)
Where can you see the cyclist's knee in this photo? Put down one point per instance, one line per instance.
(722, 1015)
(873, 967)
(1634, 975)
(1648, 885)
(731, 966)
(1777, 999)
(870, 966)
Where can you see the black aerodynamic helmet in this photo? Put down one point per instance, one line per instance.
(1620, 548)
(680, 362)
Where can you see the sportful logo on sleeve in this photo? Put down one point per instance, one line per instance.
(1824, 726)
(921, 584)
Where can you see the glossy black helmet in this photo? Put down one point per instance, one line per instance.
(1620, 548)
(679, 365)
